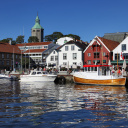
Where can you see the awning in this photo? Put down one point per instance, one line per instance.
(119, 62)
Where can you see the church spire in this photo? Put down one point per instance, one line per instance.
(37, 30)
(37, 23)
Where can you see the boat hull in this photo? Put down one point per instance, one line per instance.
(118, 81)
(37, 78)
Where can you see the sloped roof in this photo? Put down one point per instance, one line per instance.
(34, 43)
(37, 24)
(110, 44)
(119, 36)
(6, 47)
(80, 44)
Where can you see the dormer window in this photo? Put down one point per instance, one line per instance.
(123, 47)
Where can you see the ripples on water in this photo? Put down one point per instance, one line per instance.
(49, 105)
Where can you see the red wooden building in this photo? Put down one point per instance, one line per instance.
(99, 51)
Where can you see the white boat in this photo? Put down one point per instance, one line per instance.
(98, 75)
(6, 77)
(38, 76)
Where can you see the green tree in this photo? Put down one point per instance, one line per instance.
(13, 42)
(33, 39)
(56, 35)
(20, 39)
(53, 37)
(73, 36)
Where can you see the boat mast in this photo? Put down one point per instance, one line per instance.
(21, 60)
(102, 54)
(13, 59)
(29, 58)
(96, 51)
(117, 61)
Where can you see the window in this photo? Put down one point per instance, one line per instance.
(66, 48)
(89, 61)
(7, 55)
(89, 54)
(64, 56)
(104, 53)
(96, 55)
(117, 56)
(104, 61)
(2, 55)
(39, 72)
(54, 52)
(33, 30)
(2, 62)
(45, 46)
(74, 56)
(34, 73)
(123, 47)
(7, 62)
(38, 30)
(56, 58)
(64, 63)
(125, 55)
(72, 47)
(52, 58)
(74, 63)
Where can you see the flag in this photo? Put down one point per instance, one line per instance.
(122, 56)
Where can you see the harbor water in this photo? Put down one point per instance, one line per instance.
(48, 105)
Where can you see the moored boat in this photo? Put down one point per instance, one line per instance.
(38, 76)
(98, 75)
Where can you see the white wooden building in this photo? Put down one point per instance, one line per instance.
(70, 55)
(121, 50)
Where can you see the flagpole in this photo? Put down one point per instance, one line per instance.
(102, 54)
(117, 61)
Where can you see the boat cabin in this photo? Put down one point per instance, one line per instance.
(98, 69)
(38, 72)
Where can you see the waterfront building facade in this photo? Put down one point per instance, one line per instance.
(50, 57)
(10, 56)
(121, 52)
(70, 55)
(34, 50)
(99, 51)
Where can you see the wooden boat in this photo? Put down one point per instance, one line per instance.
(38, 76)
(98, 75)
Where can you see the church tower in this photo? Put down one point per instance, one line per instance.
(37, 30)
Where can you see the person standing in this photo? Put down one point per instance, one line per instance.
(126, 69)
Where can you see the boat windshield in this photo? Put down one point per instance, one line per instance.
(99, 69)
(103, 71)
(39, 72)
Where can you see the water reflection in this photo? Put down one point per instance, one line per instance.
(50, 97)
(53, 105)
(104, 101)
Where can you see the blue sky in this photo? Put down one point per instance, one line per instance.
(86, 18)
